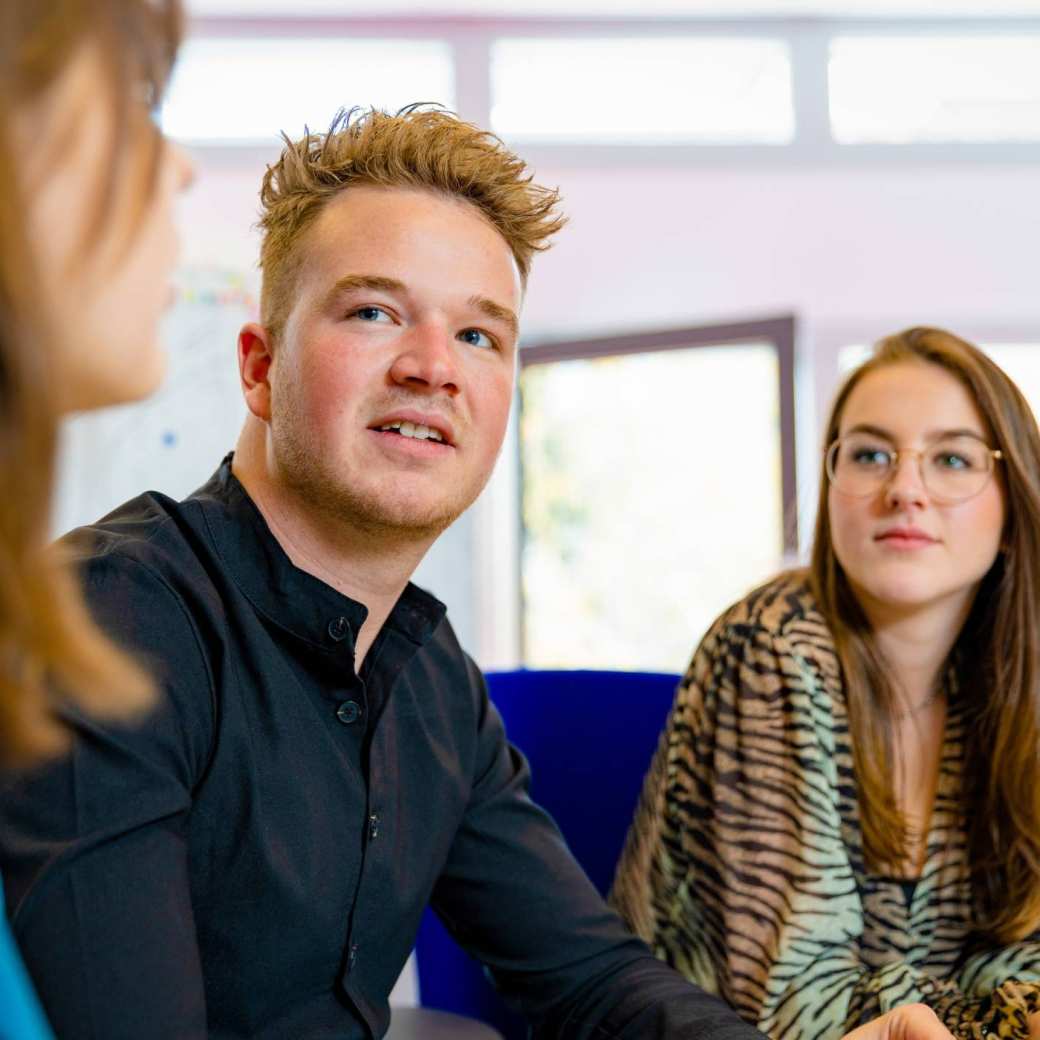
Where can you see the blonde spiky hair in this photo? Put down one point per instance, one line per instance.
(418, 147)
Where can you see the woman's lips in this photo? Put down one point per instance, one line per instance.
(906, 539)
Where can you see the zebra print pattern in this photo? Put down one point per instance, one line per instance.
(744, 867)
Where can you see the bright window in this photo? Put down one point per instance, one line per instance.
(898, 90)
(652, 499)
(638, 90)
(250, 90)
(1021, 361)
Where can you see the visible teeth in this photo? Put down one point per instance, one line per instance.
(414, 430)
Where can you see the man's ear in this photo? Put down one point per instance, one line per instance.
(255, 357)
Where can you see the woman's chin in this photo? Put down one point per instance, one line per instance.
(90, 387)
(898, 592)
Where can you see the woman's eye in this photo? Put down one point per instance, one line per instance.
(370, 314)
(873, 457)
(952, 460)
(476, 338)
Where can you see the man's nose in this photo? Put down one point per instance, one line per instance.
(427, 359)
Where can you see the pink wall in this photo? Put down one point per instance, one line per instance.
(652, 247)
(957, 244)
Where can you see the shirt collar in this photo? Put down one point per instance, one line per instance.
(291, 598)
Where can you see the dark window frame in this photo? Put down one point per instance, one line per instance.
(779, 331)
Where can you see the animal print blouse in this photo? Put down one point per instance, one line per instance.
(744, 866)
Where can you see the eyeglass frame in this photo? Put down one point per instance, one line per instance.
(995, 455)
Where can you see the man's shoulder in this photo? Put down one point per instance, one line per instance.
(146, 583)
(136, 527)
(440, 646)
(148, 542)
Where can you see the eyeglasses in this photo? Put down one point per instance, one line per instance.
(952, 469)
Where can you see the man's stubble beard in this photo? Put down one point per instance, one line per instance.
(375, 512)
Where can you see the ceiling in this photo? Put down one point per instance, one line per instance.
(617, 8)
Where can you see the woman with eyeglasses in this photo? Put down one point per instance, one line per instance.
(87, 245)
(844, 813)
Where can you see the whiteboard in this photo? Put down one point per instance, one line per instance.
(175, 439)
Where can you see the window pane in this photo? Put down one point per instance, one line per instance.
(252, 89)
(650, 504)
(1021, 361)
(643, 90)
(896, 90)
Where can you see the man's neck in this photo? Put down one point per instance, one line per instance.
(369, 570)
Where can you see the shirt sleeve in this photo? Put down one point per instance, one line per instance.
(975, 1013)
(1001, 989)
(855, 995)
(93, 845)
(514, 897)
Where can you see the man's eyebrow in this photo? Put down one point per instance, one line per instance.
(496, 312)
(353, 282)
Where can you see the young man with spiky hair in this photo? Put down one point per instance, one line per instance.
(253, 859)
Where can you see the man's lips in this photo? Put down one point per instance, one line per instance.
(411, 419)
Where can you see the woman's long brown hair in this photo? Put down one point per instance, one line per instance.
(47, 639)
(998, 657)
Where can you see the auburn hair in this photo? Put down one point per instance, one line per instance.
(997, 656)
(47, 640)
(418, 147)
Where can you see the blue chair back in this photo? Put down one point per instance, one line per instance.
(589, 737)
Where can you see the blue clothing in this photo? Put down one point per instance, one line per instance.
(20, 1015)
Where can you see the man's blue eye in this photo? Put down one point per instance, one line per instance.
(369, 313)
(476, 338)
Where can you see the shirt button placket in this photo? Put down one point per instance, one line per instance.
(338, 629)
(349, 712)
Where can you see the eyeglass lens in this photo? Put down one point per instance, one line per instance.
(953, 468)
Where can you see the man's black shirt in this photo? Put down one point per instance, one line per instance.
(253, 858)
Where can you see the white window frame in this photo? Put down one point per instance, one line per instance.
(808, 38)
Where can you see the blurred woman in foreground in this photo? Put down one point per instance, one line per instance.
(87, 246)
(844, 813)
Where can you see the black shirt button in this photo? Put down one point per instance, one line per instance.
(338, 629)
(352, 957)
(348, 712)
(373, 826)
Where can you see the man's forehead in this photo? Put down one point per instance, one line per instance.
(400, 206)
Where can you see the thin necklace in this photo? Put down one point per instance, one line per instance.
(927, 702)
